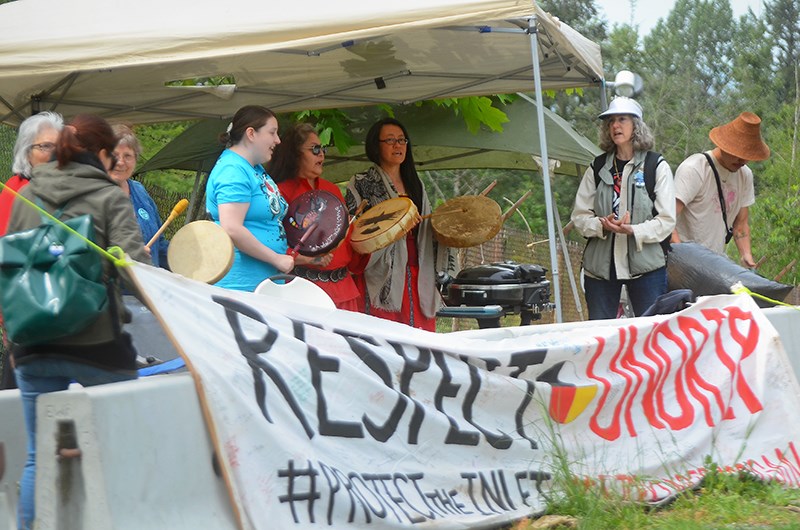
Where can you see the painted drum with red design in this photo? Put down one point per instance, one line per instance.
(321, 213)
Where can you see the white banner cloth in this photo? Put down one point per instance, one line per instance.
(333, 419)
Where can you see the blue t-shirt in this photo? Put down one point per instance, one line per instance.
(149, 222)
(234, 180)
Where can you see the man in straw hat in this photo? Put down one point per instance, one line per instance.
(713, 190)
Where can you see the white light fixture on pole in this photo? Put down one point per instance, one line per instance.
(626, 84)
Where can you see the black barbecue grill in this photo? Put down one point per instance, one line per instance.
(516, 288)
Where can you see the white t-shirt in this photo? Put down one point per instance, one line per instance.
(695, 186)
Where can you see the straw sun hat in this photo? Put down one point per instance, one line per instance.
(741, 137)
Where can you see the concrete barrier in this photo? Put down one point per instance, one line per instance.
(787, 321)
(12, 455)
(146, 459)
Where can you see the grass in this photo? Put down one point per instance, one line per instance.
(723, 501)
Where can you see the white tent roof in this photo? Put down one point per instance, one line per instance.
(113, 58)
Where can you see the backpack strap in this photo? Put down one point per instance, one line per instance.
(597, 165)
(651, 162)
(719, 191)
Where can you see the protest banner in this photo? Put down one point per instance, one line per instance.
(330, 418)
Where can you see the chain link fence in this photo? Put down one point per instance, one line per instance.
(522, 247)
(8, 136)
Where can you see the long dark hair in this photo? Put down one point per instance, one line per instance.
(254, 116)
(408, 172)
(285, 161)
(86, 135)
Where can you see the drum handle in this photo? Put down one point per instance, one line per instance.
(489, 188)
(514, 207)
(359, 210)
(306, 234)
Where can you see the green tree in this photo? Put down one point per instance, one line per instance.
(687, 73)
(753, 79)
(783, 19)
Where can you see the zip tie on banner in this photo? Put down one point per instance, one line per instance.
(739, 288)
(114, 254)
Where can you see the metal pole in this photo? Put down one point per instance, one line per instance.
(537, 79)
(603, 97)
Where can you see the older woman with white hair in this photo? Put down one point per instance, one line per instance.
(127, 152)
(625, 207)
(36, 142)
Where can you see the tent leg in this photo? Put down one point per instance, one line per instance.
(537, 78)
(568, 264)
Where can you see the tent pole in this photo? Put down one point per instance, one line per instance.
(537, 79)
(568, 264)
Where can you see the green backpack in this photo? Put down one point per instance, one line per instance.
(51, 281)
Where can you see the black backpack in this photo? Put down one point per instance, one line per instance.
(651, 162)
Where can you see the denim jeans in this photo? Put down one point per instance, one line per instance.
(42, 376)
(602, 296)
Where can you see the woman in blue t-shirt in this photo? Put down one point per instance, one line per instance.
(245, 201)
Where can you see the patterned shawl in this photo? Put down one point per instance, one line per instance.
(385, 274)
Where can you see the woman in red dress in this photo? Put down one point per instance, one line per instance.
(296, 166)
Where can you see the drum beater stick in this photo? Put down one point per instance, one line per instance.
(176, 211)
(293, 252)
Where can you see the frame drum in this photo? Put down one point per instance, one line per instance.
(383, 224)
(323, 209)
(202, 251)
(466, 221)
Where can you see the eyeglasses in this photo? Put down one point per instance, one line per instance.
(127, 158)
(392, 141)
(114, 161)
(317, 149)
(46, 147)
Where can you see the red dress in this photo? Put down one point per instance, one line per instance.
(16, 183)
(344, 293)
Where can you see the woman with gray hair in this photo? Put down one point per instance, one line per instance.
(127, 152)
(625, 207)
(36, 142)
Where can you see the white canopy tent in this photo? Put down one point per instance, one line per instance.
(116, 58)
